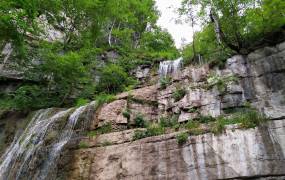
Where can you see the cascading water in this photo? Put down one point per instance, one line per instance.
(170, 67)
(24, 158)
(6, 52)
(63, 139)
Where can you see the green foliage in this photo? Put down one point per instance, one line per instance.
(28, 97)
(106, 128)
(241, 23)
(205, 119)
(248, 118)
(154, 130)
(158, 41)
(164, 82)
(113, 79)
(103, 98)
(83, 145)
(169, 121)
(220, 81)
(66, 69)
(207, 47)
(139, 134)
(182, 138)
(126, 114)
(107, 143)
(81, 102)
(139, 121)
(178, 94)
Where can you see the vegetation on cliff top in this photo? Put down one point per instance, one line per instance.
(75, 69)
(231, 26)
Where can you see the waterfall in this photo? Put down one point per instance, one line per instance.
(24, 158)
(170, 67)
(6, 52)
(64, 137)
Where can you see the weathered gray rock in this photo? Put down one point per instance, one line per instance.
(147, 111)
(258, 152)
(142, 72)
(200, 74)
(113, 113)
(185, 116)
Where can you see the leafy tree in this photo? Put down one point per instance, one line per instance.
(113, 79)
(238, 23)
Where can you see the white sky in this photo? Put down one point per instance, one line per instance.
(167, 21)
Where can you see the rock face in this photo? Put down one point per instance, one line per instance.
(256, 80)
(237, 153)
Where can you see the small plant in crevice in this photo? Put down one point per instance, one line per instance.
(218, 126)
(106, 143)
(193, 110)
(139, 121)
(220, 81)
(106, 128)
(250, 118)
(127, 114)
(155, 130)
(139, 134)
(169, 121)
(193, 127)
(205, 119)
(182, 138)
(83, 145)
(103, 98)
(178, 94)
(164, 82)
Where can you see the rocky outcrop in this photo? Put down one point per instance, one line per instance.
(255, 80)
(237, 153)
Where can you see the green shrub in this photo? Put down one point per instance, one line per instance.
(139, 134)
(155, 130)
(192, 124)
(81, 102)
(169, 121)
(29, 97)
(249, 118)
(164, 82)
(218, 126)
(126, 114)
(220, 81)
(113, 79)
(182, 138)
(205, 119)
(139, 121)
(178, 94)
(104, 98)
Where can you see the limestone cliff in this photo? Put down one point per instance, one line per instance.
(256, 153)
(256, 80)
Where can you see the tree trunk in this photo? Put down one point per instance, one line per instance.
(220, 34)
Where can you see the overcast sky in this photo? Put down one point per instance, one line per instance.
(167, 21)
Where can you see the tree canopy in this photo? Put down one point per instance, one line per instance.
(233, 25)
